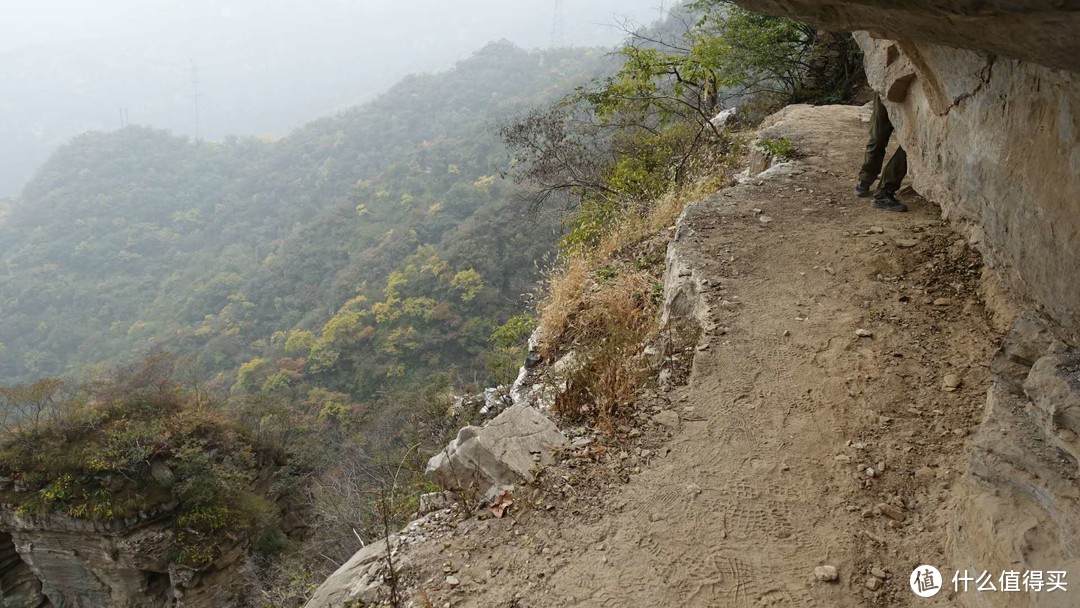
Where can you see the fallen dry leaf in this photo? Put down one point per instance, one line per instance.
(501, 505)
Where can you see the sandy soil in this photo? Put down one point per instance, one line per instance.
(793, 430)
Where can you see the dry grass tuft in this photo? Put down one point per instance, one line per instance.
(608, 325)
(602, 307)
(662, 213)
(563, 298)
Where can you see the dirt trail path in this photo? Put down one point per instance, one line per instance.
(793, 428)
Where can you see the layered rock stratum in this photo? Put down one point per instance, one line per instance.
(55, 560)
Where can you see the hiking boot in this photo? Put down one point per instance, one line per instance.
(888, 202)
(862, 189)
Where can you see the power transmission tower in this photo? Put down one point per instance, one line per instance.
(195, 96)
(557, 25)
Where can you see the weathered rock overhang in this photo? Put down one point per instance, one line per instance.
(985, 97)
(1027, 30)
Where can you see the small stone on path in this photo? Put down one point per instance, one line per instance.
(668, 418)
(950, 382)
(826, 574)
(890, 511)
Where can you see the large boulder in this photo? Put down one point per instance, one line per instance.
(359, 581)
(505, 451)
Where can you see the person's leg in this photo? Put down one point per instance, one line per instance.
(885, 197)
(894, 173)
(880, 131)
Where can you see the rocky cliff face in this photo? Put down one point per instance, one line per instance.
(1029, 30)
(985, 97)
(61, 561)
(995, 140)
(1022, 508)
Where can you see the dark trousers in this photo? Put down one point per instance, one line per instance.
(880, 131)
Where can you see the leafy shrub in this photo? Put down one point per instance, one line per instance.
(590, 223)
(777, 147)
(140, 443)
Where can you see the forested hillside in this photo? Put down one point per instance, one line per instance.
(393, 212)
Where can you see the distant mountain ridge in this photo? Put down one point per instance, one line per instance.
(138, 239)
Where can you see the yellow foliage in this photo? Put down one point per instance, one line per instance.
(248, 374)
(299, 342)
(341, 327)
(484, 183)
(469, 283)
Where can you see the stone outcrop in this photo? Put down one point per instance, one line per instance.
(682, 290)
(1028, 30)
(18, 583)
(503, 452)
(478, 464)
(1021, 510)
(359, 581)
(60, 561)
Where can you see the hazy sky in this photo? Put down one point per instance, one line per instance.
(528, 22)
(264, 66)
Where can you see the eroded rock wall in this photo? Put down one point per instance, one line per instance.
(19, 585)
(60, 561)
(1030, 30)
(992, 134)
(1021, 508)
(996, 142)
